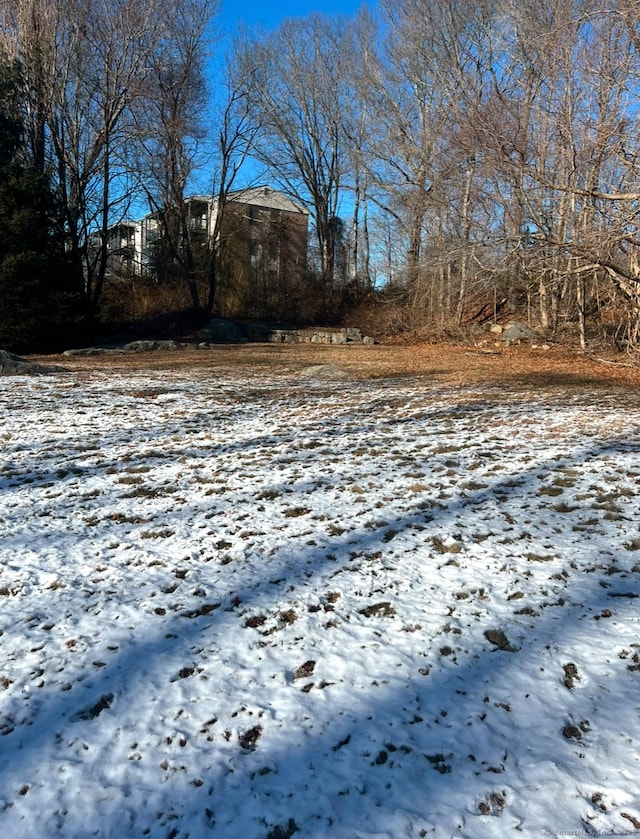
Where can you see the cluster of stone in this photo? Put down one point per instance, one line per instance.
(350, 335)
(221, 330)
(131, 347)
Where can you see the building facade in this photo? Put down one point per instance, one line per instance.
(257, 249)
(256, 221)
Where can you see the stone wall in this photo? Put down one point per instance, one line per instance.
(349, 335)
(224, 331)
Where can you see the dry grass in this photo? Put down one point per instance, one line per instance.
(519, 366)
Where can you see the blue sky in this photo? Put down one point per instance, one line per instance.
(269, 13)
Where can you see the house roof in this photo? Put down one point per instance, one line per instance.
(260, 196)
(266, 196)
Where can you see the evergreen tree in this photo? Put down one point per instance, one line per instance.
(41, 304)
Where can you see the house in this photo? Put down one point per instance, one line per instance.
(261, 249)
(122, 245)
(264, 239)
(255, 222)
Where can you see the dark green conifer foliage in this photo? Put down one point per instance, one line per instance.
(41, 305)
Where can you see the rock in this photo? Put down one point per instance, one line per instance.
(169, 345)
(140, 346)
(282, 336)
(517, 332)
(496, 329)
(222, 331)
(85, 351)
(257, 333)
(325, 371)
(368, 341)
(13, 365)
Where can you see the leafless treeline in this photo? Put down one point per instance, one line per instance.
(113, 103)
(463, 152)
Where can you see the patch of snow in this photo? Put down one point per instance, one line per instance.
(271, 606)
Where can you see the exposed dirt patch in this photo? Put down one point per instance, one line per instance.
(305, 670)
(95, 710)
(571, 675)
(249, 739)
(381, 610)
(499, 640)
(518, 366)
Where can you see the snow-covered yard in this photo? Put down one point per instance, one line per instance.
(260, 607)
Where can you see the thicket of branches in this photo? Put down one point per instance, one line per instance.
(458, 153)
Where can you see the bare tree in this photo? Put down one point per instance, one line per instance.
(169, 131)
(426, 81)
(359, 117)
(505, 145)
(236, 127)
(575, 160)
(297, 86)
(89, 68)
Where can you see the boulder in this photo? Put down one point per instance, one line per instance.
(220, 331)
(169, 345)
(325, 371)
(140, 346)
(13, 365)
(258, 333)
(85, 352)
(517, 332)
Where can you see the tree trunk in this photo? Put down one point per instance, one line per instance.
(582, 331)
(466, 228)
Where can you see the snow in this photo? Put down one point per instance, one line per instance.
(270, 605)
